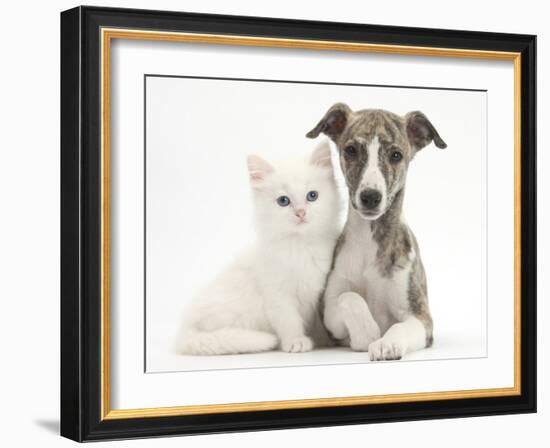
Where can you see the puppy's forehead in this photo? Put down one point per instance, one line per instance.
(369, 123)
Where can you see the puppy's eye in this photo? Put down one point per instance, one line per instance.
(283, 201)
(350, 151)
(396, 156)
(312, 196)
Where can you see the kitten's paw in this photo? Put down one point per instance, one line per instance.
(298, 345)
(386, 350)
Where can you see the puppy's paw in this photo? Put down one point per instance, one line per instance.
(385, 349)
(297, 345)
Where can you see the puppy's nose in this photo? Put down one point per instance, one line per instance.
(300, 213)
(370, 198)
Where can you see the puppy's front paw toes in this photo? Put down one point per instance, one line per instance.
(385, 350)
(298, 345)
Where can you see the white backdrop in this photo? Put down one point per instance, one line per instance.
(199, 132)
(29, 177)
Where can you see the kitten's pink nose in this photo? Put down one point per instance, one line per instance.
(300, 213)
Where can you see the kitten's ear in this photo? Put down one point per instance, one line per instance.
(258, 168)
(321, 156)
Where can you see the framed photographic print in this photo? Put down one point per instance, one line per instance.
(238, 252)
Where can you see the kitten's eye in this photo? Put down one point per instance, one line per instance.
(396, 156)
(350, 151)
(312, 196)
(283, 201)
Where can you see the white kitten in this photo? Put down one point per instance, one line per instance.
(269, 296)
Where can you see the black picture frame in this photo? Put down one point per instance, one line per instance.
(81, 224)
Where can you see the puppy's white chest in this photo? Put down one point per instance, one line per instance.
(360, 258)
(386, 295)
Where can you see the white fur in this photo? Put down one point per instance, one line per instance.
(401, 338)
(361, 304)
(269, 296)
(372, 176)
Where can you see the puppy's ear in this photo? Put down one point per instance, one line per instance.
(421, 132)
(258, 168)
(333, 123)
(321, 156)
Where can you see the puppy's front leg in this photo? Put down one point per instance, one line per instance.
(347, 314)
(332, 315)
(401, 338)
(362, 327)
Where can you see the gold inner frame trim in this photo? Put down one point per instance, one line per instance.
(107, 35)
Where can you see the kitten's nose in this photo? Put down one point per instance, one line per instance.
(300, 213)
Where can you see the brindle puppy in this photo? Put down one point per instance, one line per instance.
(378, 285)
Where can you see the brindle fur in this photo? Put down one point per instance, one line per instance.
(395, 240)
